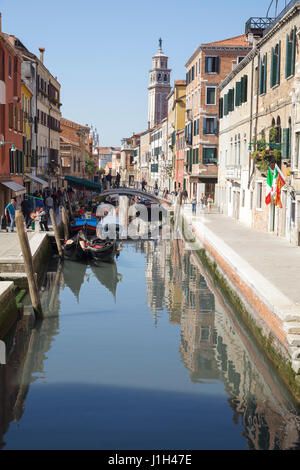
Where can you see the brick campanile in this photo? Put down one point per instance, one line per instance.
(159, 88)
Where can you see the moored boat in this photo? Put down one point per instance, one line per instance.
(100, 249)
(75, 248)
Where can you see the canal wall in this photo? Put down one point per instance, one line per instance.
(273, 317)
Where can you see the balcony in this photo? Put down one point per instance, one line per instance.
(257, 25)
(233, 172)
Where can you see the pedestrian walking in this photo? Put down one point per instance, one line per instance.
(144, 184)
(49, 204)
(194, 205)
(42, 218)
(25, 208)
(10, 210)
(118, 178)
(210, 202)
(185, 196)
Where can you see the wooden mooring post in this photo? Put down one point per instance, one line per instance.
(56, 233)
(65, 222)
(28, 263)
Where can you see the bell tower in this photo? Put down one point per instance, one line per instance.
(159, 87)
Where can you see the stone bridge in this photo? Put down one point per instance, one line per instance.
(134, 192)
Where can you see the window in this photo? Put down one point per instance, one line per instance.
(209, 156)
(212, 64)
(290, 53)
(240, 58)
(221, 107)
(259, 187)
(275, 65)
(193, 72)
(231, 99)
(263, 75)
(9, 67)
(210, 125)
(211, 95)
(286, 141)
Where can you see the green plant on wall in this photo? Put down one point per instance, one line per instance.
(90, 165)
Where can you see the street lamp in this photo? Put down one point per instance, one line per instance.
(12, 149)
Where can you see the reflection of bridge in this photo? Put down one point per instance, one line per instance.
(134, 192)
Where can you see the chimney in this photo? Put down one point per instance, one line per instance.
(0, 22)
(42, 50)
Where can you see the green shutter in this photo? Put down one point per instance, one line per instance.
(285, 143)
(287, 64)
(226, 104)
(278, 64)
(261, 77)
(238, 89)
(265, 73)
(293, 52)
(220, 108)
(272, 69)
(197, 155)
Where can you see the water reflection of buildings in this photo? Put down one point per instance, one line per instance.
(26, 346)
(215, 345)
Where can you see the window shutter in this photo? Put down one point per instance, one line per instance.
(197, 155)
(204, 126)
(226, 104)
(220, 108)
(238, 93)
(218, 64)
(265, 74)
(293, 52)
(198, 120)
(206, 64)
(261, 78)
(272, 69)
(287, 66)
(245, 91)
(285, 143)
(278, 64)
(215, 125)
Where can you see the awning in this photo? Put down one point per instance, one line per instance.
(37, 180)
(83, 183)
(15, 187)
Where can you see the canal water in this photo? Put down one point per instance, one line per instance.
(142, 353)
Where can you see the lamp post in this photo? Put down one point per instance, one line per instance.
(12, 148)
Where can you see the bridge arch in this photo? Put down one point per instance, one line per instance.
(131, 192)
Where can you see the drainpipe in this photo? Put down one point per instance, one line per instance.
(251, 173)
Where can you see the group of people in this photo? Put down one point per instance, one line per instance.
(205, 201)
(35, 208)
(107, 181)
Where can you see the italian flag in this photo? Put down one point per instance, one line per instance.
(275, 182)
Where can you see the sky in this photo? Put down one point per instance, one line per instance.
(101, 50)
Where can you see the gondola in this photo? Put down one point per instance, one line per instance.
(100, 249)
(77, 224)
(74, 248)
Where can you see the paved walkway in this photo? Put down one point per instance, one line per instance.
(273, 257)
(10, 246)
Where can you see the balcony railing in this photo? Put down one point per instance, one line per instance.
(233, 172)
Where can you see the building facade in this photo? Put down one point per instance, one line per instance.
(206, 69)
(259, 125)
(11, 123)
